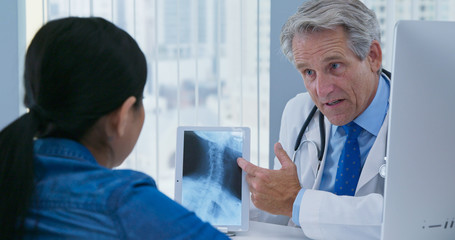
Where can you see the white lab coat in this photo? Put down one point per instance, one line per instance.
(324, 215)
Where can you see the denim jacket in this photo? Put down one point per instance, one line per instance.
(76, 198)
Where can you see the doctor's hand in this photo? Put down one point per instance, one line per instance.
(273, 191)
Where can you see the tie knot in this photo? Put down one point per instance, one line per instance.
(352, 129)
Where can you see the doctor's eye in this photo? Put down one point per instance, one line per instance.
(337, 68)
(309, 74)
(335, 65)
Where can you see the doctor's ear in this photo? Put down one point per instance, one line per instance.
(375, 56)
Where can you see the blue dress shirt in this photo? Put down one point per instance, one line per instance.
(76, 198)
(371, 121)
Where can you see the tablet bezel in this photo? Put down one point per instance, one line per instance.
(245, 195)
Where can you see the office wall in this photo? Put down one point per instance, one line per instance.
(285, 81)
(12, 39)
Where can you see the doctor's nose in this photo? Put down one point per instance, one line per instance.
(324, 85)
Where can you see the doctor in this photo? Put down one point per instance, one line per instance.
(327, 181)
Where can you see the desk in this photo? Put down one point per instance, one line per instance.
(260, 230)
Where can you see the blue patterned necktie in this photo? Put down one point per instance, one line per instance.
(349, 165)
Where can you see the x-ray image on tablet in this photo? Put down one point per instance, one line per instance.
(208, 179)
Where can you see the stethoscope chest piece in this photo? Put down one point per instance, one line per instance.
(383, 171)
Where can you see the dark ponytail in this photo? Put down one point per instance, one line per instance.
(76, 71)
(16, 173)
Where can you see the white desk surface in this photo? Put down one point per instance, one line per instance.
(260, 230)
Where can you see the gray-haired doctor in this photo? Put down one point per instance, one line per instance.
(327, 180)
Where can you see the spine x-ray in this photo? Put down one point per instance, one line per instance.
(212, 180)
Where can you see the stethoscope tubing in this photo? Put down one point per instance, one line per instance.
(299, 142)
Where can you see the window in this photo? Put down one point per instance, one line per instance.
(389, 12)
(208, 64)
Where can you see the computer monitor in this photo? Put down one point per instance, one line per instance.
(419, 200)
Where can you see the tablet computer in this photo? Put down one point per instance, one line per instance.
(208, 180)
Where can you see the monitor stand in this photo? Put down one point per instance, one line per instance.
(225, 231)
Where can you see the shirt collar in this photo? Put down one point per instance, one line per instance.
(60, 147)
(372, 118)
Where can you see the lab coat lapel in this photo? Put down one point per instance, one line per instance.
(375, 157)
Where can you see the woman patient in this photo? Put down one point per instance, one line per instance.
(84, 80)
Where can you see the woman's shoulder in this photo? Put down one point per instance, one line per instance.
(143, 211)
(133, 177)
(123, 183)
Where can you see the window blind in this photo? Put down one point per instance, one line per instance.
(207, 66)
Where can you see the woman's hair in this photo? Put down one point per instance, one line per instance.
(76, 71)
(359, 23)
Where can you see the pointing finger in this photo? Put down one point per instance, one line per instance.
(247, 166)
(282, 155)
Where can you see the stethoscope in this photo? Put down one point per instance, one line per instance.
(299, 142)
(320, 151)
